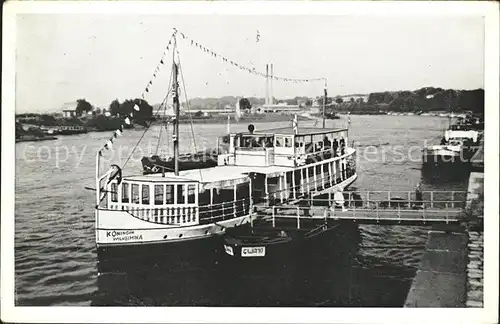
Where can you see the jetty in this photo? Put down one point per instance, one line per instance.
(377, 207)
(451, 270)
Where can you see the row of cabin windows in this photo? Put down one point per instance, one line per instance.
(321, 141)
(163, 194)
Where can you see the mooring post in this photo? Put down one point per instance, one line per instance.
(432, 199)
(298, 217)
(274, 216)
(251, 214)
(452, 199)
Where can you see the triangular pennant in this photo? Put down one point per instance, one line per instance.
(106, 146)
(161, 61)
(118, 132)
(127, 121)
(100, 153)
(110, 144)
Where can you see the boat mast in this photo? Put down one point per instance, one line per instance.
(175, 97)
(324, 105)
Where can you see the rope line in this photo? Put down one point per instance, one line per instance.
(189, 113)
(148, 126)
(243, 67)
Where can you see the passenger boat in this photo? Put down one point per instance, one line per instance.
(184, 213)
(458, 145)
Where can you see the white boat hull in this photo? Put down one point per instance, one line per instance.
(119, 228)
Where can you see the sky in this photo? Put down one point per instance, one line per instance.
(100, 57)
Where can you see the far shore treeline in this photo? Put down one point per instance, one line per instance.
(424, 100)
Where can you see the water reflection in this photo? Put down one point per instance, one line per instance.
(332, 273)
(439, 174)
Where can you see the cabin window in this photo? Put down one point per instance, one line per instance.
(158, 194)
(279, 141)
(135, 193)
(125, 197)
(114, 192)
(145, 194)
(288, 142)
(169, 194)
(180, 194)
(191, 194)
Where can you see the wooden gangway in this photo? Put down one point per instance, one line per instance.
(375, 207)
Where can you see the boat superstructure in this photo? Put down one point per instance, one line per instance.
(263, 167)
(458, 145)
(292, 163)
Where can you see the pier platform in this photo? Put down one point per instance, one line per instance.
(381, 207)
(477, 160)
(451, 270)
(441, 279)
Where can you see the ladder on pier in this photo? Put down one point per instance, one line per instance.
(376, 207)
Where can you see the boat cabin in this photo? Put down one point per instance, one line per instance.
(192, 198)
(466, 135)
(283, 146)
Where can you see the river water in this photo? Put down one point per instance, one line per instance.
(55, 255)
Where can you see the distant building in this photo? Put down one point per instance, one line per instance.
(280, 108)
(69, 113)
(27, 119)
(69, 109)
(355, 98)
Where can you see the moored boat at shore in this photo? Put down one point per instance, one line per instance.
(458, 146)
(184, 211)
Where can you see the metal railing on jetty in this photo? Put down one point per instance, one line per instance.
(376, 207)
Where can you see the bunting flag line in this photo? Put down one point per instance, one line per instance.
(118, 132)
(194, 43)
